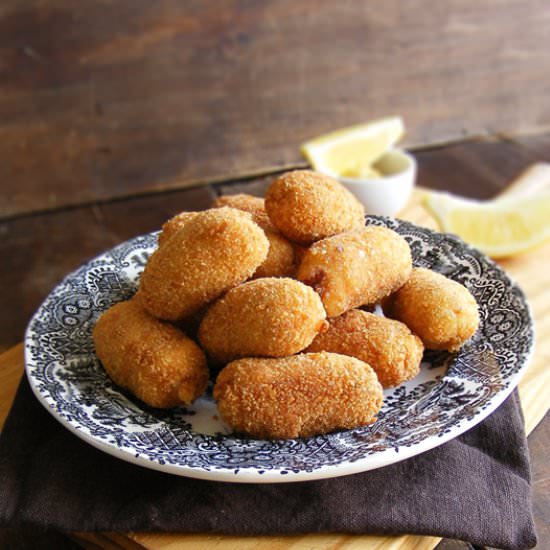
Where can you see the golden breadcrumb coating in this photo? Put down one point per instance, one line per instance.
(173, 225)
(356, 268)
(213, 252)
(306, 206)
(298, 396)
(441, 311)
(270, 317)
(388, 346)
(152, 359)
(247, 203)
(281, 260)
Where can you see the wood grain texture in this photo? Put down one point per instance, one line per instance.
(156, 541)
(117, 98)
(10, 374)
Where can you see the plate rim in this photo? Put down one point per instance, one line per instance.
(250, 475)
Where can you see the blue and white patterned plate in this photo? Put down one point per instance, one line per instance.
(452, 393)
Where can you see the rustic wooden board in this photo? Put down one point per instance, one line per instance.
(11, 371)
(317, 542)
(102, 99)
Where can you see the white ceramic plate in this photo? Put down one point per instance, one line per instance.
(452, 393)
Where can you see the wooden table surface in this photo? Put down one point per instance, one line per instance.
(42, 248)
(104, 98)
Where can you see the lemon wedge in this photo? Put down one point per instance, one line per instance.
(350, 152)
(500, 228)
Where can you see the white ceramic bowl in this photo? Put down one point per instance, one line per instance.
(387, 195)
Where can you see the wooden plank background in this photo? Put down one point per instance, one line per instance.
(113, 98)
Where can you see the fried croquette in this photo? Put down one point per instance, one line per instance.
(388, 346)
(152, 359)
(247, 203)
(298, 396)
(306, 206)
(281, 260)
(213, 252)
(173, 225)
(356, 268)
(270, 317)
(441, 311)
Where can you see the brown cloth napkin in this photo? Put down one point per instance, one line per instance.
(475, 488)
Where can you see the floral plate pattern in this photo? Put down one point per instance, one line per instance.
(452, 393)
